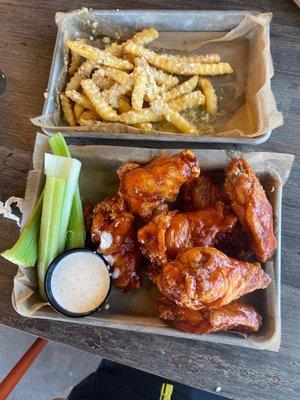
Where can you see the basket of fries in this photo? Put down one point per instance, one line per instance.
(151, 75)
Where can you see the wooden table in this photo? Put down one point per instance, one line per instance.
(28, 34)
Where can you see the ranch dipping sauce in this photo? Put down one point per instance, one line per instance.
(79, 282)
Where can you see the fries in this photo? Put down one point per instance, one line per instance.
(97, 55)
(75, 61)
(178, 120)
(80, 99)
(74, 64)
(114, 94)
(78, 110)
(83, 72)
(140, 117)
(124, 105)
(99, 77)
(184, 88)
(177, 65)
(189, 100)
(103, 109)
(140, 81)
(164, 79)
(144, 37)
(211, 101)
(205, 59)
(173, 117)
(133, 85)
(67, 108)
(117, 75)
(88, 118)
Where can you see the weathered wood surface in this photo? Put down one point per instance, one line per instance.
(28, 32)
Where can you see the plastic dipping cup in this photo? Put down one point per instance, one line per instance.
(78, 282)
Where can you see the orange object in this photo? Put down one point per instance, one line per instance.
(14, 376)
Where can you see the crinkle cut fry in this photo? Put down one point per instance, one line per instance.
(124, 83)
(88, 118)
(139, 84)
(101, 80)
(162, 78)
(74, 63)
(144, 37)
(114, 94)
(174, 117)
(176, 65)
(161, 107)
(99, 56)
(203, 58)
(83, 72)
(67, 108)
(118, 75)
(79, 98)
(75, 60)
(140, 117)
(78, 110)
(211, 100)
(139, 89)
(183, 88)
(105, 111)
(189, 100)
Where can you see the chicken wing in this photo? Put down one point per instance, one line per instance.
(249, 201)
(206, 277)
(169, 233)
(200, 193)
(114, 232)
(88, 215)
(238, 317)
(234, 243)
(147, 187)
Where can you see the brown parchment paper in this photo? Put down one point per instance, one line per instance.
(136, 311)
(246, 106)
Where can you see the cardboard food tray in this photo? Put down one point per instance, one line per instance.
(136, 311)
(241, 38)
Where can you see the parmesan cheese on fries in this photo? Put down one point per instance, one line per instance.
(128, 83)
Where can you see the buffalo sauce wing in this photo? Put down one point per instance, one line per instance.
(113, 230)
(238, 317)
(249, 202)
(201, 193)
(170, 233)
(147, 187)
(206, 277)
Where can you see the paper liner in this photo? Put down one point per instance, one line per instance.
(248, 108)
(135, 311)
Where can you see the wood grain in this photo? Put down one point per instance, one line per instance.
(28, 34)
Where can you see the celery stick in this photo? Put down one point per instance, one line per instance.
(50, 226)
(59, 146)
(76, 230)
(25, 250)
(67, 169)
